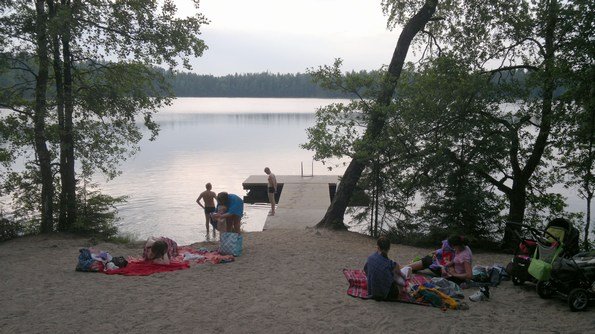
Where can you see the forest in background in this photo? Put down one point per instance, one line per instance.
(265, 84)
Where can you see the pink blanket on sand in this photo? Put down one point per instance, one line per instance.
(358, 285)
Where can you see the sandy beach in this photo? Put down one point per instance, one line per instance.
(286, 281)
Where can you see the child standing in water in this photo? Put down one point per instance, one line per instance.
(385, 280)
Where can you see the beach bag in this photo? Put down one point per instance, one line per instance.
(480, 274)
(496, 273)
(87, 263)
(540, 269)
(231, 244)
(120, 261)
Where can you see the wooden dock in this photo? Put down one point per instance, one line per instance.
(303, 200)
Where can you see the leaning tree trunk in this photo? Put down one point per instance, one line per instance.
(334, 215)
(41, 149)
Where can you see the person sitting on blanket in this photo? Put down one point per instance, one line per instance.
(160, 250)
(385, 280)
(453, 261)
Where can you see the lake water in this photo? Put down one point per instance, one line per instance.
(222, 141)
(217, 140)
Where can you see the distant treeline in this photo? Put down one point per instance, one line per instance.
(265, 84)
(249, 85)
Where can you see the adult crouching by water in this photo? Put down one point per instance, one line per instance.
(234, 211)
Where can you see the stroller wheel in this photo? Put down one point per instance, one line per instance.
(545, 289)
(578, 299)
(517, 281)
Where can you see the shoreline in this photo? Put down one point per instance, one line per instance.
(286, 281)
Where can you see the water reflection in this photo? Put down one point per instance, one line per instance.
(176, 119)
(200, 145)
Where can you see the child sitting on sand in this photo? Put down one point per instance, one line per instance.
(385, 280)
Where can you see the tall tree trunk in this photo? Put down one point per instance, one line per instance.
(518, 202)
(58, 77)
(333, 218)
(588, 223)
(590, 157)
(67, 163)
(41, 149)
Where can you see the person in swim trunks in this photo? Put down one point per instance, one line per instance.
(208, 196)
(272, 189)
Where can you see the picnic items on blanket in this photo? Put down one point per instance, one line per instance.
(202, 255)
(231, 244)
(86, 262)
(93, 261)
(431, 295)
(427, 295)
(186, 254)
(450, 288)
(119, 261)
(191, 256)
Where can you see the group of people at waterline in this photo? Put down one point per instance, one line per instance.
(386, 278)
(225, 215)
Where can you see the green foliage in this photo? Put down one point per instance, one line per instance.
(98, 215)
(102, 56)
(471, 123)
(9, 229)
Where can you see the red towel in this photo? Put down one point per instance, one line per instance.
(145, 268)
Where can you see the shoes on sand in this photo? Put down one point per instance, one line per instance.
(481, 295)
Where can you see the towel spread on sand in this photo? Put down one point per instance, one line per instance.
(145, 268)
(206, 256)
(139, 267)
(358, 285)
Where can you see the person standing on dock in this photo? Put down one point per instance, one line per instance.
(208, 196)
(271, 189)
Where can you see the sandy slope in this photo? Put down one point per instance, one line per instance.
(287, 281)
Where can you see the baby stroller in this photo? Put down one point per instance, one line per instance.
(573, 278)
(532, 259)
(517, 268)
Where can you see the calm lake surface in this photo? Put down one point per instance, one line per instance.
(217, 140)
(222, 141)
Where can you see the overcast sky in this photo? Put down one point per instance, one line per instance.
(289, 36)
